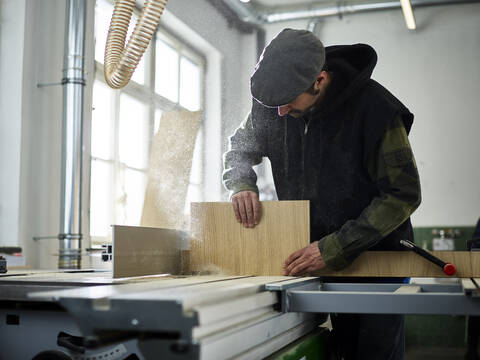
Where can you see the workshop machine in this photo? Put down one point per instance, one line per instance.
(88, 315)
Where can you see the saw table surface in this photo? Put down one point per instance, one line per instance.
(204, 315)
(211, 312)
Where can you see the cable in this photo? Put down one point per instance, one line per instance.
(120, 60)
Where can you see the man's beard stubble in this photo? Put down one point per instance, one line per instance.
(316, 105)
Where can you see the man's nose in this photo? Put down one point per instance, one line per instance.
(283, 110)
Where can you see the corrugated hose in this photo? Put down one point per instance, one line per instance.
(120, 60)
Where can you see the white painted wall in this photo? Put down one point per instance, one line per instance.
(42, 127)
(435, 71)
(12, 29)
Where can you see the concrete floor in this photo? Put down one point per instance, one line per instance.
(426, 353)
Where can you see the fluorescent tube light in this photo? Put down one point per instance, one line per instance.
(408, 14)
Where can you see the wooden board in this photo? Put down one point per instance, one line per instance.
(169, 170)
(408, 264)
(475, 260)
(219, 241)
(139, 251)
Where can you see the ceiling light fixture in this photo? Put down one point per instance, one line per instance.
(244, 1)
(408, 14)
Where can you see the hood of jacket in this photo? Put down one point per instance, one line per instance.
(352, 67)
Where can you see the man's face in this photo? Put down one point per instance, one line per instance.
(299, 106)
(306, 100)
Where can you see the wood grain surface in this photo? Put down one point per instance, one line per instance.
(475, 260)
(141, 251)
(408, 264)
(219, 242)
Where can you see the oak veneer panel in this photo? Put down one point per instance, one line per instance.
(407, 263)
(169, 170)
(139, 251)
(218, 241)
(475, 261)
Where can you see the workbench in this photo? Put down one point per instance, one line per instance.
(89, 315)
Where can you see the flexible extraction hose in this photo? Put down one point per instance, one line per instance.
(121, 60)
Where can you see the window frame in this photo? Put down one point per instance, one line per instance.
(145, 93)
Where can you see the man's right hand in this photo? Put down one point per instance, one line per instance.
(247, 208)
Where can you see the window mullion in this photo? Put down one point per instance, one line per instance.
(202, 130)
(116, 156)
(152, 104)
(179, 73)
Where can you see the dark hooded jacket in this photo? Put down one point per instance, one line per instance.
(324, 157)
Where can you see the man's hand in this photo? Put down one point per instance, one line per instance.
(304, 261)
(247, 208)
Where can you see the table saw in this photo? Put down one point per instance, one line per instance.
(86, 314)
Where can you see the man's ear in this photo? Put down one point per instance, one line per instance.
(320, 79)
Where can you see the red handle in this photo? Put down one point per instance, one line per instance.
(449, 269)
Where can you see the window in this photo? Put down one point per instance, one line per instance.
(124, 122)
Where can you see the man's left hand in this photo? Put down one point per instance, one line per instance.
(304, 261)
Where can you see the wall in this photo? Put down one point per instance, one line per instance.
(435, 71)
(42, 127)
(12, 28)
(41, 133)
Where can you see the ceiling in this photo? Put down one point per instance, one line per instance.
(272, 3)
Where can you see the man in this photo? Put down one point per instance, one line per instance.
(337, 138)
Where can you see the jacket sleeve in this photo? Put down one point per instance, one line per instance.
(392, 166)
(246, 149)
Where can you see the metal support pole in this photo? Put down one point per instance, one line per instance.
(73, 98)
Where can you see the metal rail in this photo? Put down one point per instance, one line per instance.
(318, 297)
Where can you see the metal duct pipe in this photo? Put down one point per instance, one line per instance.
(246, 12)
(243, 18)
(264, 16)
(73, 82)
